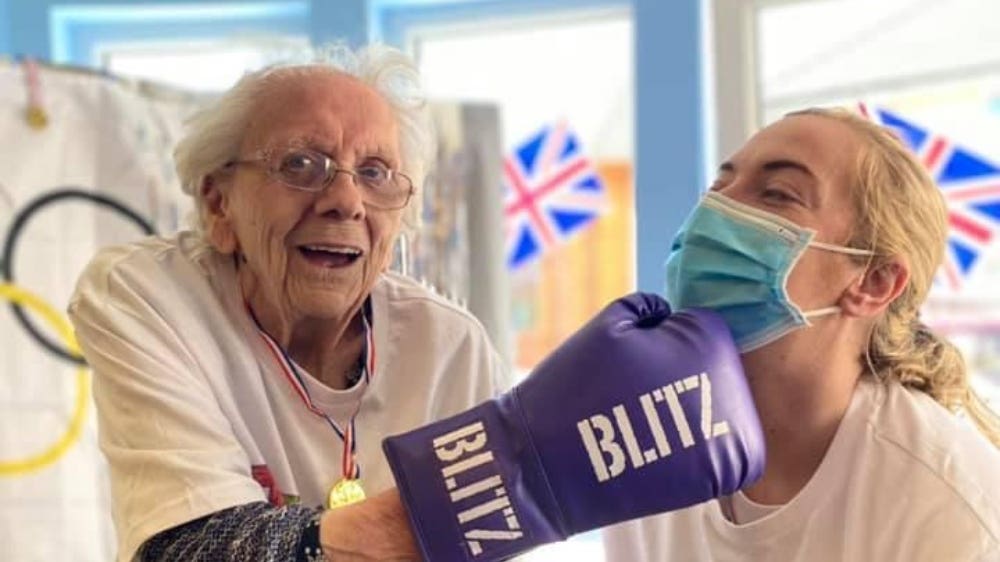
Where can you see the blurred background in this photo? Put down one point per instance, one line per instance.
(575, 136)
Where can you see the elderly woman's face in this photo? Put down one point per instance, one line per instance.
(313, 254)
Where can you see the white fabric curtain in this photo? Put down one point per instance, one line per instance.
(103, 135)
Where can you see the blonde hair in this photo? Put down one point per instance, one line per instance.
(901, 213)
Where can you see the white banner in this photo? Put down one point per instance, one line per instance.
(102, 136)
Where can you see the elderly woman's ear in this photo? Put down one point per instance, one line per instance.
(218, 229)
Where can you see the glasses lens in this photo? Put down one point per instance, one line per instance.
(380, 185)
(384, 187)
(374, 176)
(303, 168)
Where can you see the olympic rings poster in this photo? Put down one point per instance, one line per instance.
(96, 171)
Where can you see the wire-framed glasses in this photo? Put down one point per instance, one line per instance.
(312, 171)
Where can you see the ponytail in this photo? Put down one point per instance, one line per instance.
(914, 355)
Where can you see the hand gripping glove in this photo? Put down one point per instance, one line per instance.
(641, 411)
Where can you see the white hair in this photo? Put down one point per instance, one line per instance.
(214, 134)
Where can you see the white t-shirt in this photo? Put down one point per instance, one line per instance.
(195, 415)
(903, 480)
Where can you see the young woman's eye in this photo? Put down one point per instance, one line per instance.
(721, 182)
(779, 195)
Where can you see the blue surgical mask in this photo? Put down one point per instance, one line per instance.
(735, 259)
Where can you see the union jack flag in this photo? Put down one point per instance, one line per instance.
(971, 186)
(552, 191)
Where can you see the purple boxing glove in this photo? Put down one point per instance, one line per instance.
(640, 412)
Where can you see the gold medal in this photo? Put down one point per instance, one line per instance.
(345, 492)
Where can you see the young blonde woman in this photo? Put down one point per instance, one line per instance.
(818, 242)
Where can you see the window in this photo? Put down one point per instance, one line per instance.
(575, 69)
(201, 66)
(935, 65)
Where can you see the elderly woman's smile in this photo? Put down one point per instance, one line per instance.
(330, 255)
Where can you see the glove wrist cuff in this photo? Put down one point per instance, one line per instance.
(473, 485)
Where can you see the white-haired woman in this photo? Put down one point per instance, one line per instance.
(818, 244)
(247, 371)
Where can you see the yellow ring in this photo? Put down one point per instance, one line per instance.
(50, 455)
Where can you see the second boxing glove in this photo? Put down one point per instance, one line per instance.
(641, 411)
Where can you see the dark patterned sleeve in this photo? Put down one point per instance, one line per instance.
(251, 532)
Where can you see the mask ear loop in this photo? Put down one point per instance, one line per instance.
(820, 312)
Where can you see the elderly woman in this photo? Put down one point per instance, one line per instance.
(246, 372)
(818, 244)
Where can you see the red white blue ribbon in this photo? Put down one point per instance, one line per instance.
(348, 463)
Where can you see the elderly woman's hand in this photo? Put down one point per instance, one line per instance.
(374, 529)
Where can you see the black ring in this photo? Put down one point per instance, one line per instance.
(17, 226)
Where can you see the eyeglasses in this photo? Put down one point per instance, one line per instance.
(312, 171)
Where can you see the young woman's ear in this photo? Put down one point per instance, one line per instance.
(218, 227)
(875, 290)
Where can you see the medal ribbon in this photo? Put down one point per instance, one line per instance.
(31, 83)
(348, 464)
